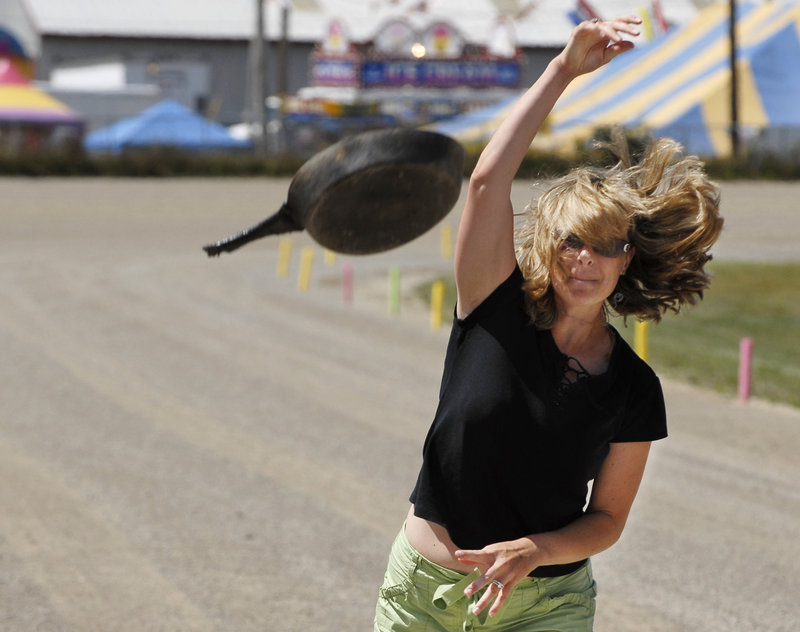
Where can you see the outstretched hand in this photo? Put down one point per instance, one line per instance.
(594, 44)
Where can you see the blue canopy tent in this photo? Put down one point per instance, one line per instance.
(166, 124)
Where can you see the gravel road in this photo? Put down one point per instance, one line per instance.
(195, 445)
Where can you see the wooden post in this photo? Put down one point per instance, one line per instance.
(306, 261)
(347, 283)
(446, 241)
(437, 304)
(640, 339)
(745, 368)
(284, 255)
(394, 290)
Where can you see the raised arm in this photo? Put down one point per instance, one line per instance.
(484, 254)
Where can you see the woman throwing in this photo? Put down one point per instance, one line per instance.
(540, 395)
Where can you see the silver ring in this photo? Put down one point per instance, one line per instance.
(595, 20)
(498, 583)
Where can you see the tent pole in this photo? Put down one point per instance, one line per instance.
(734, 131)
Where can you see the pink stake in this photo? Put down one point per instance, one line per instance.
(347, 283)
(745, 368)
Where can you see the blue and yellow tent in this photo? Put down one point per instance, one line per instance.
(679, 85)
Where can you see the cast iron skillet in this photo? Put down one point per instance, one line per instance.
(368, 193)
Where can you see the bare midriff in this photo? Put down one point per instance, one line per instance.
(432, 541)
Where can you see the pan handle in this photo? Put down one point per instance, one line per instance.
(280, 222)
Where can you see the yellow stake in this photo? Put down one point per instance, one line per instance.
(284, 253)
(330, 257)
(394, 290)
(647, 22)
(640, 339)
(446, 241)
(437, 304)
(306, 259)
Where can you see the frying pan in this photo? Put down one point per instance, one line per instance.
(367, 193)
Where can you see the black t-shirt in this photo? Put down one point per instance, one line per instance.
(513, 445)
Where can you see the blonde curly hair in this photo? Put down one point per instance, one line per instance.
(665, 206)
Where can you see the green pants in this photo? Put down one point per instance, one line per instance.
(420, 596)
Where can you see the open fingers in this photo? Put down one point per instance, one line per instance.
(595, 43)
(609, 52)
(496, 591)
(481, 581)
(486, 578)
(624, 24)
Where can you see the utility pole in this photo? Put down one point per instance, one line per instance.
(734, 131)
(283, 51)
(258, 80)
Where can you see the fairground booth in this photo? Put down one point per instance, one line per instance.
(30, 120)
(406, 75)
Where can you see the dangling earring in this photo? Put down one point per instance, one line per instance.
(618, 298)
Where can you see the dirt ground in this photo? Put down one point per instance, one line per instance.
(196, 445)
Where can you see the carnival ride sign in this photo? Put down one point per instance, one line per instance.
(440, 73)
(434, 57)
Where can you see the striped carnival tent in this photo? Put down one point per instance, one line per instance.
(678, 85)
(22, 103)
(476, 127)
(10, 46)
(30, 120)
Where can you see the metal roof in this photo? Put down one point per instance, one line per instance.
(536, 22)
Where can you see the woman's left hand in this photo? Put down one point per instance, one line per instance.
(503, 565)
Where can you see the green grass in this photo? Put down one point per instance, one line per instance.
(701, 344)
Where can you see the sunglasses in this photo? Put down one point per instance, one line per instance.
(573, 244)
